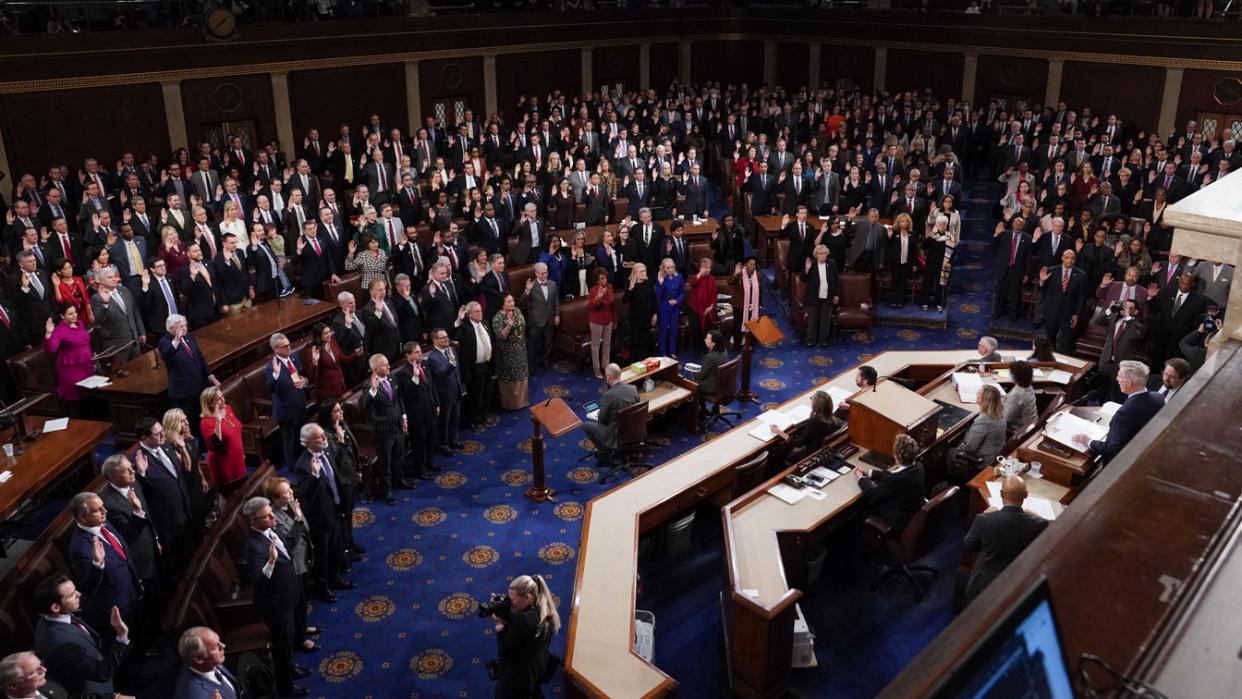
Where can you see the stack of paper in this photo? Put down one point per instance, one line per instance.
(799, 413)
(787, 493)
(55, 425)
(762, 430)
(967, 386)
(1109, 409)
(1063, 426)
(94, 382)
(826, 473)
(839, 396)
(1061, 377)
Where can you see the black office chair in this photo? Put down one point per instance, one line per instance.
(726, 388)
(904, 547)
(631, 437)
(748, 476)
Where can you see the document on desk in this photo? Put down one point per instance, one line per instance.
(787, 493)
(1109, 409)
(826, 473)
(967, 386)
(1064, 426)
(799, 413)
(55, 425)
(1041, 507)
(94, 382)
(1059, 376)
(839, 396)
(762, 431)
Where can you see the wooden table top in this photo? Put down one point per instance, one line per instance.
(692, 230)
(223, 341)
(603, 608)
(1038, 487)
(46, 459)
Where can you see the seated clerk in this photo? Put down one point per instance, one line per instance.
(1139, 407)
(603, 432)
(1000, 535)
(864, 379)
(715, 356)
(896, 494)
(814, 430)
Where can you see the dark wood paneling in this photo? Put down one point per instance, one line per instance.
(663, 65)
(537, 73)
(854, 62)
(727, 61)
(793, 64)
(916, 70)
(201, 100)
(324, 99)
(611, 64)
(46, 128)
(452, 77)
(1133, 93)
(1196, 96)
(1003, 75)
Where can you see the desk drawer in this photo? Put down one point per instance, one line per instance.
(684, 501)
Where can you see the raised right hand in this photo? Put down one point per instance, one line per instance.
(275, 368)
(272, 553)
(98, 552)
(375, 382)
(118, 624)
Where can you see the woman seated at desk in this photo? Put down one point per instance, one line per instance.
(986, 436)
(813, 432)
(1020, 409)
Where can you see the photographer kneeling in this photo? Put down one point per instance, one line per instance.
(1194, 345)
(526, 621)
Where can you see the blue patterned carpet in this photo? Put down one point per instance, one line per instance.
(410, 628)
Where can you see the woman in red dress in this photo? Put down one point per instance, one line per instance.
(226, 455)
(67, 288)
(701, 298)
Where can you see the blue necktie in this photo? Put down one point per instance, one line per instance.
(172, 305)
(327, 472)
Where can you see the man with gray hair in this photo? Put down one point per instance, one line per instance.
(350, 332)
(22, 676)
(188, 371)
(102, 563)
(117, 319)
(1139, 407)
(603, 431)
(286, 384)
(204, 675)
(29, 291)
(987, 349)
(279, 598)
(529, 231)
(543, 314)
(127, 509)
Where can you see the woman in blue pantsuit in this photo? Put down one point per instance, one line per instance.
(670, 291)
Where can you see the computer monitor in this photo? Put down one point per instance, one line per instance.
(1019, 657)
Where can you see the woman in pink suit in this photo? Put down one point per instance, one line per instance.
(70, 343)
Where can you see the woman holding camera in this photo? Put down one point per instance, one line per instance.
(524, 628)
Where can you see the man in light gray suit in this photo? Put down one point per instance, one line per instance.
(116, 315)
(827, 192)
(579, 178)
(603, 431)
(1214, 281)
(543, 314)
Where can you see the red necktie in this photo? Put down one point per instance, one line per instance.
(64, 240)
(5, 317)
(80, 627)
(392, 237)
(116, 545)
(1121, 325)
(1168, 181)
(315, 244)
(1064, 280)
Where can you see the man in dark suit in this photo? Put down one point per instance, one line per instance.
(494, 285)
(188, 371)
(1181, 309)
(1140, 406)
(70, 649)
(197, 284)
(127, 509)
(167, 490)
(117, 318)
(762, 187)
(409, 202)
(1012, 251)
(278, 596)
(650, 238)
(485, 232)
(896, 494)
(383, 334)
(409, 314)
(389, 425)
(410, 258)
(638, 193)
(1048, 248)
(1122, 338)
(442, 364)
(262, 259)
(440, 298)
(13, 341)
(65, 245)
(694, 189)
(529, 231)
(543, 313)
(617, 395)
(476, 343)
(419, 399)
(102, 563)
(1065, 291)
(286, 384)
(316, 480)
(318, 266)
(801, 235)
(1000, 535)
(232, 277)
(344, 166)
(910, 203)
(304, 180)
(204, 675)
(29, 293)
(378, 177)
(157, 298)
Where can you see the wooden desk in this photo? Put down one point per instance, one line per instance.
(1039, 487)
(672, 393)
(691, 232)
(1064, 465)
(599, 659)
(769, 232)
(48, 460)
(225, 343)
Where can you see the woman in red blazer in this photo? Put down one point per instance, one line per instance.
(324, 362)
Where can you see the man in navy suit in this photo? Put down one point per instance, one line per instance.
(204, 675)
(388, 423)
(1065, 291)
(379, 317)
(188, 371)
(319, 493)
(278, 595)
(762, 187)
(102, 563)
(167, 487)
(1139, 407)
(286, 384)
(1012, 250)
(694, 189)
(446, 378)
(639, 194)
(317, 261)
(419, 399)
(71, 649)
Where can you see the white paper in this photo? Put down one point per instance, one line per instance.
(94, 382)
(4, 477)
(1059, 376)
(55, 425)
(1109, 409)
(787, 493)
(839, 396)
(816, 493)
(799, 413)
(994, 489)
(749, 592)
(967, 386)
(826, 473)
(763, 430)
(1040, 506)
(1063, 426)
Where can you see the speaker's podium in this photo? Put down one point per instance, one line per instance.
(878, 416)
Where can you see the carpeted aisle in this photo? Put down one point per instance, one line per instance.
(410, 628)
